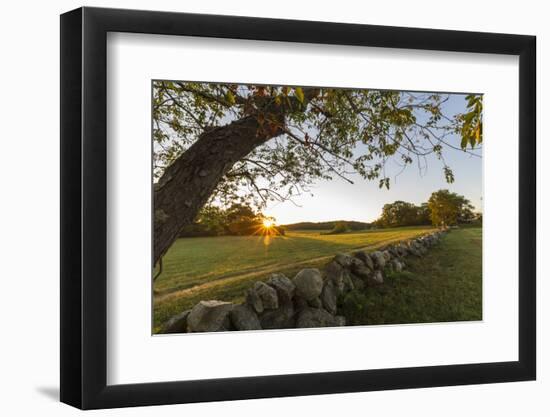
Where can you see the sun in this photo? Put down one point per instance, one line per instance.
(268, 223)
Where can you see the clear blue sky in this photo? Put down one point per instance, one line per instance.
(363, 201)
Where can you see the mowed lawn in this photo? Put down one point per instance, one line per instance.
(196, 269)
(445, 285)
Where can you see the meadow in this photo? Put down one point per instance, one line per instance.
(202, 268)
(445, 285)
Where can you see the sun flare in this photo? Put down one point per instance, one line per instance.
(268, 223)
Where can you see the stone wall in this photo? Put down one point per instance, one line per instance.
(310, 299)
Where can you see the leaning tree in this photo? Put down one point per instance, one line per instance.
(227, 142)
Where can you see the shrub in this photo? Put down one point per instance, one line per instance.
(339, 227)
(197, 230)
(354, 307)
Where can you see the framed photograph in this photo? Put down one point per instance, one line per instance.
(258, 208)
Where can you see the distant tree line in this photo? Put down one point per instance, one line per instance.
(443, 208)
(236, 220)
(330, 225)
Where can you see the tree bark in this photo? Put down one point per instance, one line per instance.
(189, 182)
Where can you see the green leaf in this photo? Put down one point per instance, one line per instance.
(464, 142)
(299, 94)
(230, 97)
(469, 116)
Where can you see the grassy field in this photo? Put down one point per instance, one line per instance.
(445, 285)
(222, 268)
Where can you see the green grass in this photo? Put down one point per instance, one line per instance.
(196, 269)
(445, 285)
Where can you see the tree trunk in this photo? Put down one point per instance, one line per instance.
(189, 182)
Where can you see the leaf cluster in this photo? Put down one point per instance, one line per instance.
(315, 133)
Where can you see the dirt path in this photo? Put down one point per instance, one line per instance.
(239, 277)
(161, 298)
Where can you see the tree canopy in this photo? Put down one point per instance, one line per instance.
(323, 133)
(401, 213)
(443, 208)
(237, 220)
(447, 208)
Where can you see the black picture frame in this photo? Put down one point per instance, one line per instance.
(84, 207)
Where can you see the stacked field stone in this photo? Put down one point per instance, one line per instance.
(310, 299)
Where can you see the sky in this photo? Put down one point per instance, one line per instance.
(336, 199)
